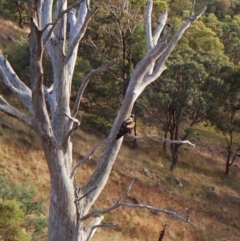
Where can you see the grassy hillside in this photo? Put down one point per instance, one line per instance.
(211, 199)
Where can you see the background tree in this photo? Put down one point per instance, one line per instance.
(115, 32)
(14, 10)
(49, 113)
(181, 97)
(224, 111)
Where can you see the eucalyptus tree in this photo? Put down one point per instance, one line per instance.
(182, 96)
(224, 112)
(59, 28)
(230, 37)
(14, 10)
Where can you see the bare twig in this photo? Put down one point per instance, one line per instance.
(118, 203)
(85, 83)
(90, 190)
(87, 158)
(159, 138)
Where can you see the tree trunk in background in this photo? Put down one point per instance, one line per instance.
(174, 152)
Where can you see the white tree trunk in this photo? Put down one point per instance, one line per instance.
(69, 205)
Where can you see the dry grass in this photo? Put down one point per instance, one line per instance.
(215, 214)
(9, 28)
(10, 31)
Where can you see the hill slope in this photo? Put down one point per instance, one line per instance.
(211, 198)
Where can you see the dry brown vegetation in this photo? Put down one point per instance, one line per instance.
(11, 29)
(212, 200)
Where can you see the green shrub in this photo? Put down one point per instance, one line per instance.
(21, 209)
(11, 221)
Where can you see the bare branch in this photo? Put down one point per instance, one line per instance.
(192, 9)
(159, 138)
(198, 14)
(85, 82)
(160, 51)
(126, 191)
(10, 110)
(84, 195)
(80, 34)
(87, 158)
(72, 23)
(114, 206)
(15, 85)
(91, 227)
(105, 225)
(118, 203)
(36, 76)
(54, 24)
(161, 23)
(149, 25)
(161, 61)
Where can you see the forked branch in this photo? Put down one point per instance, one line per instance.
(74, 126)
(119, 203)
(80, 34)
(54, 24)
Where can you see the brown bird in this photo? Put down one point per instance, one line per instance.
(126, 127)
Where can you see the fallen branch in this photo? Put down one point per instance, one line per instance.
(159, 138)
(119, 203)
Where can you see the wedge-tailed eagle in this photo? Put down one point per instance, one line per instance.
(126, 127)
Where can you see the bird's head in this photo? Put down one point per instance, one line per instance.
(132, 115)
